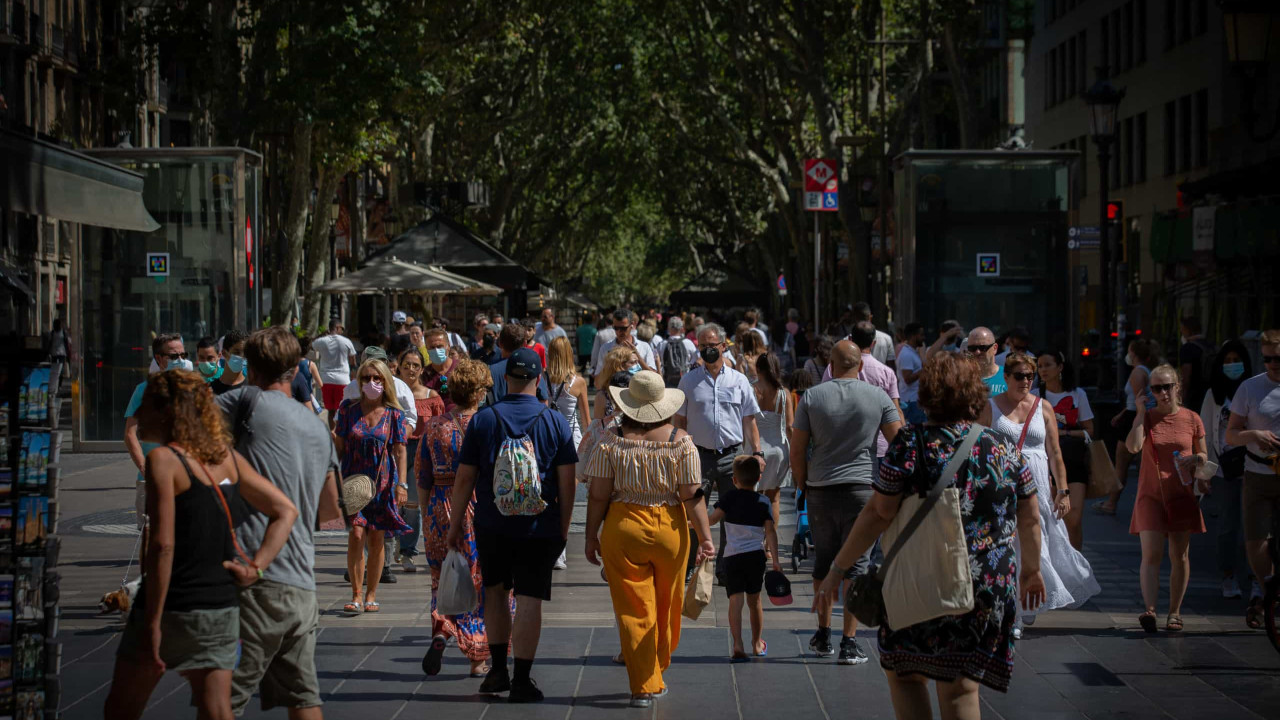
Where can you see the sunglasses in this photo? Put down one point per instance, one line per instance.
(624, 328)
(1163, 387)
(176, 356)
(708, 347)
(979, 349)
(371, 378)
(1022, 376)
(1270, 359)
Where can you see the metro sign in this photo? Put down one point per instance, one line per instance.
(818, 172)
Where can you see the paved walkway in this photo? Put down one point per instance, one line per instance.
(1088, 663)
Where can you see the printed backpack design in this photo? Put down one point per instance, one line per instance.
(517, 487)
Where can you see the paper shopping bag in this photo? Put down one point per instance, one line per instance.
(698, 595)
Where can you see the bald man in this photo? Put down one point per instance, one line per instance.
(842, 418)
(982, 345)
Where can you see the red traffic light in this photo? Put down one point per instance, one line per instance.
(1115, 210)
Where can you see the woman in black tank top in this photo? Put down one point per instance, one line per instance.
(186, 616)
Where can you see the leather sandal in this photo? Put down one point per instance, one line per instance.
(1173, 623)
(354, 607)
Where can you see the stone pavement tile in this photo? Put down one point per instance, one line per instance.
(556, 670)
(845, 690)
(1049, 651)
(602, 685)
(700, 683)
(1258, 692)
(1028, 691)
(372, 684)
(780, 685)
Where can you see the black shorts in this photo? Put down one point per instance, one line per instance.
(743, 573)
(523, 564)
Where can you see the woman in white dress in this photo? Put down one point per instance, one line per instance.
(1068, 578)
(774, 422)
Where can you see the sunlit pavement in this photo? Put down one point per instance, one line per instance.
(1088, 663)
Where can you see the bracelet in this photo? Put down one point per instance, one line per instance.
(839, 571)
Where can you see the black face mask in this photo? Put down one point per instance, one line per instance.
(488, 341)
(710, 355)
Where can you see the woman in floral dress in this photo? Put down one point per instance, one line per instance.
(437, 464)
(959, 652)
(370, 437)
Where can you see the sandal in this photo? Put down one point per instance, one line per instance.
(482, 671)
(764, 649)
(1102, 508)
(1148, 621)
(739, 657)
(371, 607)
(353, 607)
(1173, 623)
(618, 659)
(1253, 616)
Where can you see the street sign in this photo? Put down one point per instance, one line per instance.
(818, 172)
(988, 265)
(158, 264)
(782, 285)
(830, 201)
(1084, 237)
(813, 201)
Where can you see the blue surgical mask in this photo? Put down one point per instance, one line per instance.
(634, 369)
(236, 364)
(210, 370)
(438, 355)
(180, 364)
(1233, 371)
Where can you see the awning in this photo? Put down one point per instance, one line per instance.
(12, 284)
(41, 178)
(398, 276)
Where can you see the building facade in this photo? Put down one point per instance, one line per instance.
(1180, 127)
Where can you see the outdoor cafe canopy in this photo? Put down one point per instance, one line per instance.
(392, 275)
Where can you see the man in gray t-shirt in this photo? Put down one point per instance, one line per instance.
(290, 446)
(841, 417)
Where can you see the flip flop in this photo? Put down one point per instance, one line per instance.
(739, 657)
(482, 672)
(1148, 621)
(371, 607)
(765, 651)
(353, 607)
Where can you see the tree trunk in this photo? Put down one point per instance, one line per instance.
(318, 248)
(355, 215)
(959, 84)
(285, 293)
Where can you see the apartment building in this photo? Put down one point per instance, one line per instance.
(1188, 165)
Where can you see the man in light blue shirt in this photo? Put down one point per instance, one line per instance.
(719, 412)
(982, 345)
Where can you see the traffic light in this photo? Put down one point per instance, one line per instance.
(1116, 227)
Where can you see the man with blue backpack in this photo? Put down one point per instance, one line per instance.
(519, 460)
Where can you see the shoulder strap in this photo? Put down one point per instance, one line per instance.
(674, 431)
(943, 482)
(226, 509)
(1026, 424)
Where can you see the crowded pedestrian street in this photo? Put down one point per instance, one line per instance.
(1093, 662)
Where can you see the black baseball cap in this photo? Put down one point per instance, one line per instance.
(524, 364)
(777, 587)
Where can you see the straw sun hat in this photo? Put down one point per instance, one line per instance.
(646, 399)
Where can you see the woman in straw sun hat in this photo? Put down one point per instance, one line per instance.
(645, 483)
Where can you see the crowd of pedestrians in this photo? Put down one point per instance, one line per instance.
(432, 444)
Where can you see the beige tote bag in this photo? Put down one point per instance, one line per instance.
(930, 576)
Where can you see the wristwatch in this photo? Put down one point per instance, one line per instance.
(758, 453)
(1063, 492)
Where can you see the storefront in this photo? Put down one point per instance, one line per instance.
(984, 240)
(197, 275)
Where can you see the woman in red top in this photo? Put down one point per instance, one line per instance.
(1166, 507)
(428, 404)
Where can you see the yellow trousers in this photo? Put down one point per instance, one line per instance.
(645, 550)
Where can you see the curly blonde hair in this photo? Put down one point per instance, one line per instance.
(180, 402)
(468, 382)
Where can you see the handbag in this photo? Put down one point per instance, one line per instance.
(1102, 473)
(698, 594)
(358, 490)
(935, 583)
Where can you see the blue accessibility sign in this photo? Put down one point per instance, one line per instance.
(831, 201)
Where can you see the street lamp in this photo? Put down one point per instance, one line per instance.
(1247, 25)
(1103, 100)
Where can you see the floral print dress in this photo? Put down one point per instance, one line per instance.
(437, 465)
(978, 644)
(367, 451)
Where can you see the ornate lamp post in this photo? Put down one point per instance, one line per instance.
(1103, 100)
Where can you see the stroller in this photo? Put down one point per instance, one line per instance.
(803, 539)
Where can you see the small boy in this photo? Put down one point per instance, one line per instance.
(748, 530)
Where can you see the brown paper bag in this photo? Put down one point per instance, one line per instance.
(698, 595)
(1102, 473)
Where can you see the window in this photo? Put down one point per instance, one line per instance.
(1170, 138)
(1202, 128)
(1106, 41)
(1140, 32)
(1083, 69)
(1117, 42)
(1184, 133)
(1140, 144)
(1048, 76)
(1202, 16)
(1128, 151)
(1170, 23)
(1072, 83)
(1127, 24)
(1064, 90)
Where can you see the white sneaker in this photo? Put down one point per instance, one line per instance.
(561, 563)
(406, 564)
(1230, 588)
